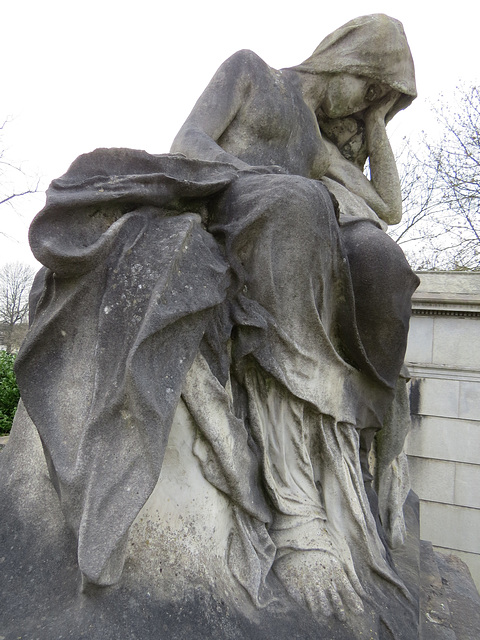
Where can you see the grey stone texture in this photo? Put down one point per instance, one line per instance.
(443, 446)
(217, 336)
(461, 596)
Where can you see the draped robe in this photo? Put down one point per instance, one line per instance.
(162, 271)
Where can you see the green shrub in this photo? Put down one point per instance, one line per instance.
(9, 393)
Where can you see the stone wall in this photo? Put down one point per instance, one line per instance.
(443, 356)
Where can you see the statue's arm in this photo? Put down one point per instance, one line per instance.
(382, 192)
(215, 110)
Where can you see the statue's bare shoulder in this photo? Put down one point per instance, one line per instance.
(252, 114)
(247, 62)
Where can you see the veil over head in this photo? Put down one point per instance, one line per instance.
(373, 46)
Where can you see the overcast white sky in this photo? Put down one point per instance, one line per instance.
(76, 76)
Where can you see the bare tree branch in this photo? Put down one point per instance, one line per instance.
(441, 189)
(15, 183)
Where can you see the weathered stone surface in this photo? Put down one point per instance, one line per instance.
(215, 341)
(462, 596)
(435, 618)
(175, 584)
(444, 439)
(444, 444)
(451, 526)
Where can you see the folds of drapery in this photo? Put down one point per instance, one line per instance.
(134, 287)
(322, 308)
(128, 289)
(321, 317)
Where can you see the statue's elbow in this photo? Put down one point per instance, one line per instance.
(392, 216)
(397, 219)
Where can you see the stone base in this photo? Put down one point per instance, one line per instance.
(176, 584)
(450, 603)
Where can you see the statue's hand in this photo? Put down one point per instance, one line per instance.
(380, 109)
(320, 582)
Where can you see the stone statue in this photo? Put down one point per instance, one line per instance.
(231, 318)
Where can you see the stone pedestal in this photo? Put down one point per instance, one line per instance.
(175, 585)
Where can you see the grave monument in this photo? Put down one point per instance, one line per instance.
(217, 336)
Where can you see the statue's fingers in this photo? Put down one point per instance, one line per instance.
(336, 602)
(318, 601)
(355, 582)
(351, 598)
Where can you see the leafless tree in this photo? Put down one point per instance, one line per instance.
(14, 181)
(441, 189)
(15, 282)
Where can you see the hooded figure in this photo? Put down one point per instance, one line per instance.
(373, 47)
(160, 268)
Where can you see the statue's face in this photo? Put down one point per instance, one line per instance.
(347, 94)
